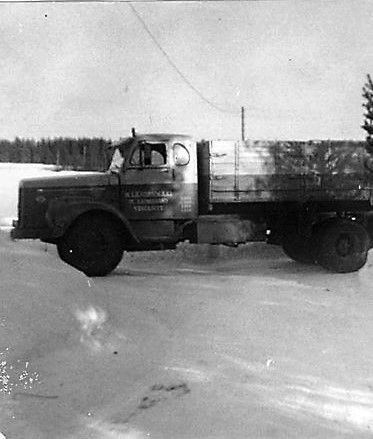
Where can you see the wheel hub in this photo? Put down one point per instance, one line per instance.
(344, 245)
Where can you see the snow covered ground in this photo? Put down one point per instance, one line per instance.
(201, 342)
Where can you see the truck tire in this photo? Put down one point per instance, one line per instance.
(93, 244)
(298, 248)
(342, 246)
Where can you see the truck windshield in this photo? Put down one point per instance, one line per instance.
(149, 154)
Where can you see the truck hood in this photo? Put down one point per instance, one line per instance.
(81, 179)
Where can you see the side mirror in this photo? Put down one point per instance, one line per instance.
(181, 155)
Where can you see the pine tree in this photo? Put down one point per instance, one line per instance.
(368, 115)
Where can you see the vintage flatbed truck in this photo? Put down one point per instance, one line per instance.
(313, 198)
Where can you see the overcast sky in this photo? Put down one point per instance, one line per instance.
(297, 67)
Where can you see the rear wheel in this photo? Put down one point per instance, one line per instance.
(93, 244)
(342, 246)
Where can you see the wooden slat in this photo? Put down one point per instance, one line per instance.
(249, 183)
(222, 197)
(270, 196)
(223, 149)
(347, 181)
(221, 168)
(223, 183)
(255, 167)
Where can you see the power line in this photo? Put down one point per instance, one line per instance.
(176, 68)
(124, 1)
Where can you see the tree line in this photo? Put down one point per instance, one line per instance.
(68, 153)
(95, 153)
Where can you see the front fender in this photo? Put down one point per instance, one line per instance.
(62, 213)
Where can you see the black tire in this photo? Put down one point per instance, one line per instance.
(92, 244)
(342, 246)
(298, 248)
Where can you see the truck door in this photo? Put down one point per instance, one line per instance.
(160, 181)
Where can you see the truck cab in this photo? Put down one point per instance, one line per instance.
(142, 202)
(158, 185)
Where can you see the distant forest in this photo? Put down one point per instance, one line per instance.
(68, 153)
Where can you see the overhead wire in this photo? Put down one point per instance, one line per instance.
(121, 1)
(176, 68)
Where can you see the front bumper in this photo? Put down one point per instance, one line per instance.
(20, 233)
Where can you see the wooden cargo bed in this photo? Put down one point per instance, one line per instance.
(278, 171)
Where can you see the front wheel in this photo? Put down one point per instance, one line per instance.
(93, 245)
(342, 246)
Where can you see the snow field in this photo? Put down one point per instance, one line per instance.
(194, 343)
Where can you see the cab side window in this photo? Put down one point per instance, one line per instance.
(149, 155)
